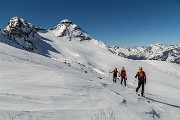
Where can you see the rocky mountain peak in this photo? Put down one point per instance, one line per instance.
(67, 29)
(21, 32)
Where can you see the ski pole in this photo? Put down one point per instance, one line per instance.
(109, 74)
(126, 81)
(134, 82)
(119, 80)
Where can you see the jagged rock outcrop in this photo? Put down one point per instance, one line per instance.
(22, 32)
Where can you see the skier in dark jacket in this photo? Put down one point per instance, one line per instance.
(123, 76)
(115, 71)
(141, 80)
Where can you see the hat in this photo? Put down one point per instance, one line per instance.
(140, 68)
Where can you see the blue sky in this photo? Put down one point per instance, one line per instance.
(116, 22)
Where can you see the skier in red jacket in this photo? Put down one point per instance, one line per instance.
(115, 71)
(123, 76)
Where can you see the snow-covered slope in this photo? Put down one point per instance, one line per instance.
(96, 56)
(161, 52)
(73, 82)
(35, 87)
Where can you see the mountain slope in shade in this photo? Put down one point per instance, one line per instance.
(161, 52)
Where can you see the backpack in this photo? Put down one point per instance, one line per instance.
(115, 71)
(123, 73)
(141, 75)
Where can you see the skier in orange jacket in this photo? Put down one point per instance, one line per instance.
(141, 80)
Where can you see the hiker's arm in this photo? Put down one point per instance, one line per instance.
(136, 75)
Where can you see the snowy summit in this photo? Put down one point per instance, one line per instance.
(67, 29)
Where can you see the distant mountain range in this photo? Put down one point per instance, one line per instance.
(161, 52)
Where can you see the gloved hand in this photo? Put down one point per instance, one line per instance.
(126, 78)
(145, 81)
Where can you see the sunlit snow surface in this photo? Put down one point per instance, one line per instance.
(75, 84)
